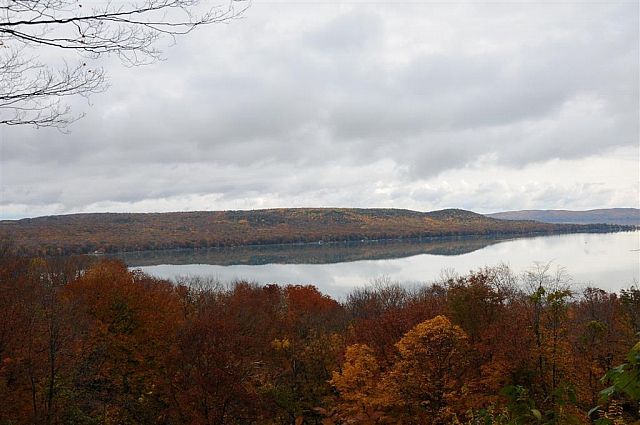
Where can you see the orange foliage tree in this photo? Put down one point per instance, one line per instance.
(88, 341)
(425, 383)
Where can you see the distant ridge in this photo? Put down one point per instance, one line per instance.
(623, 216)
(126, 232)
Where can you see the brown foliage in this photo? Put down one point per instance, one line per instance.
(88, 233)
(93, 342)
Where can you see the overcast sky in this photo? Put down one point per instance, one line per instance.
(486, 106)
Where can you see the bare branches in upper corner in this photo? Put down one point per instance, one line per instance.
(32, 91)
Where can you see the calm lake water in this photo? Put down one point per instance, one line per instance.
(610, 261)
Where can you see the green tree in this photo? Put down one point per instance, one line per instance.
(625, 380)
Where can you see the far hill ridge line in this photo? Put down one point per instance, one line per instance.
(124, 232)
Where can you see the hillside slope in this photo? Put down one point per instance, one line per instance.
(110, 232)
(624, 216)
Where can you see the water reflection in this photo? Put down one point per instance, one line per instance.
(316, 253)
(610, 261)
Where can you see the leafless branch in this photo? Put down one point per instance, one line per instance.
(31, 92)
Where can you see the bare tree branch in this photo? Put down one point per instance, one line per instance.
(32, 92)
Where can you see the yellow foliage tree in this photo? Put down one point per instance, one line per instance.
(427, 383)
(358, 384)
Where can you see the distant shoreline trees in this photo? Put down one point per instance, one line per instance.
(111, 233)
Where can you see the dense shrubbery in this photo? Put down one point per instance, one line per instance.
(92, 342)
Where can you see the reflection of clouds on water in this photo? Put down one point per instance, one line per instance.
(608, 261)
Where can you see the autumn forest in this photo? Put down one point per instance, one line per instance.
(88, 341)
(126, 232)
(301, 115)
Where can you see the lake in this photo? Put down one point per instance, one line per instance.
(610, 261)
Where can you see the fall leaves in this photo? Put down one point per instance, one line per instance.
(423, 384)
(493, 354)
(91, 342)
(111, 233)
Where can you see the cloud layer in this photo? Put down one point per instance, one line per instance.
(485, 106)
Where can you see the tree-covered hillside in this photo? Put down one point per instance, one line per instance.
(111, 232)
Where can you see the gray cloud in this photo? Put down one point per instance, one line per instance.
(349, 33)
(357, 105)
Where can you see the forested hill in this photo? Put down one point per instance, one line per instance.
(626, 216)
(116, 232)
